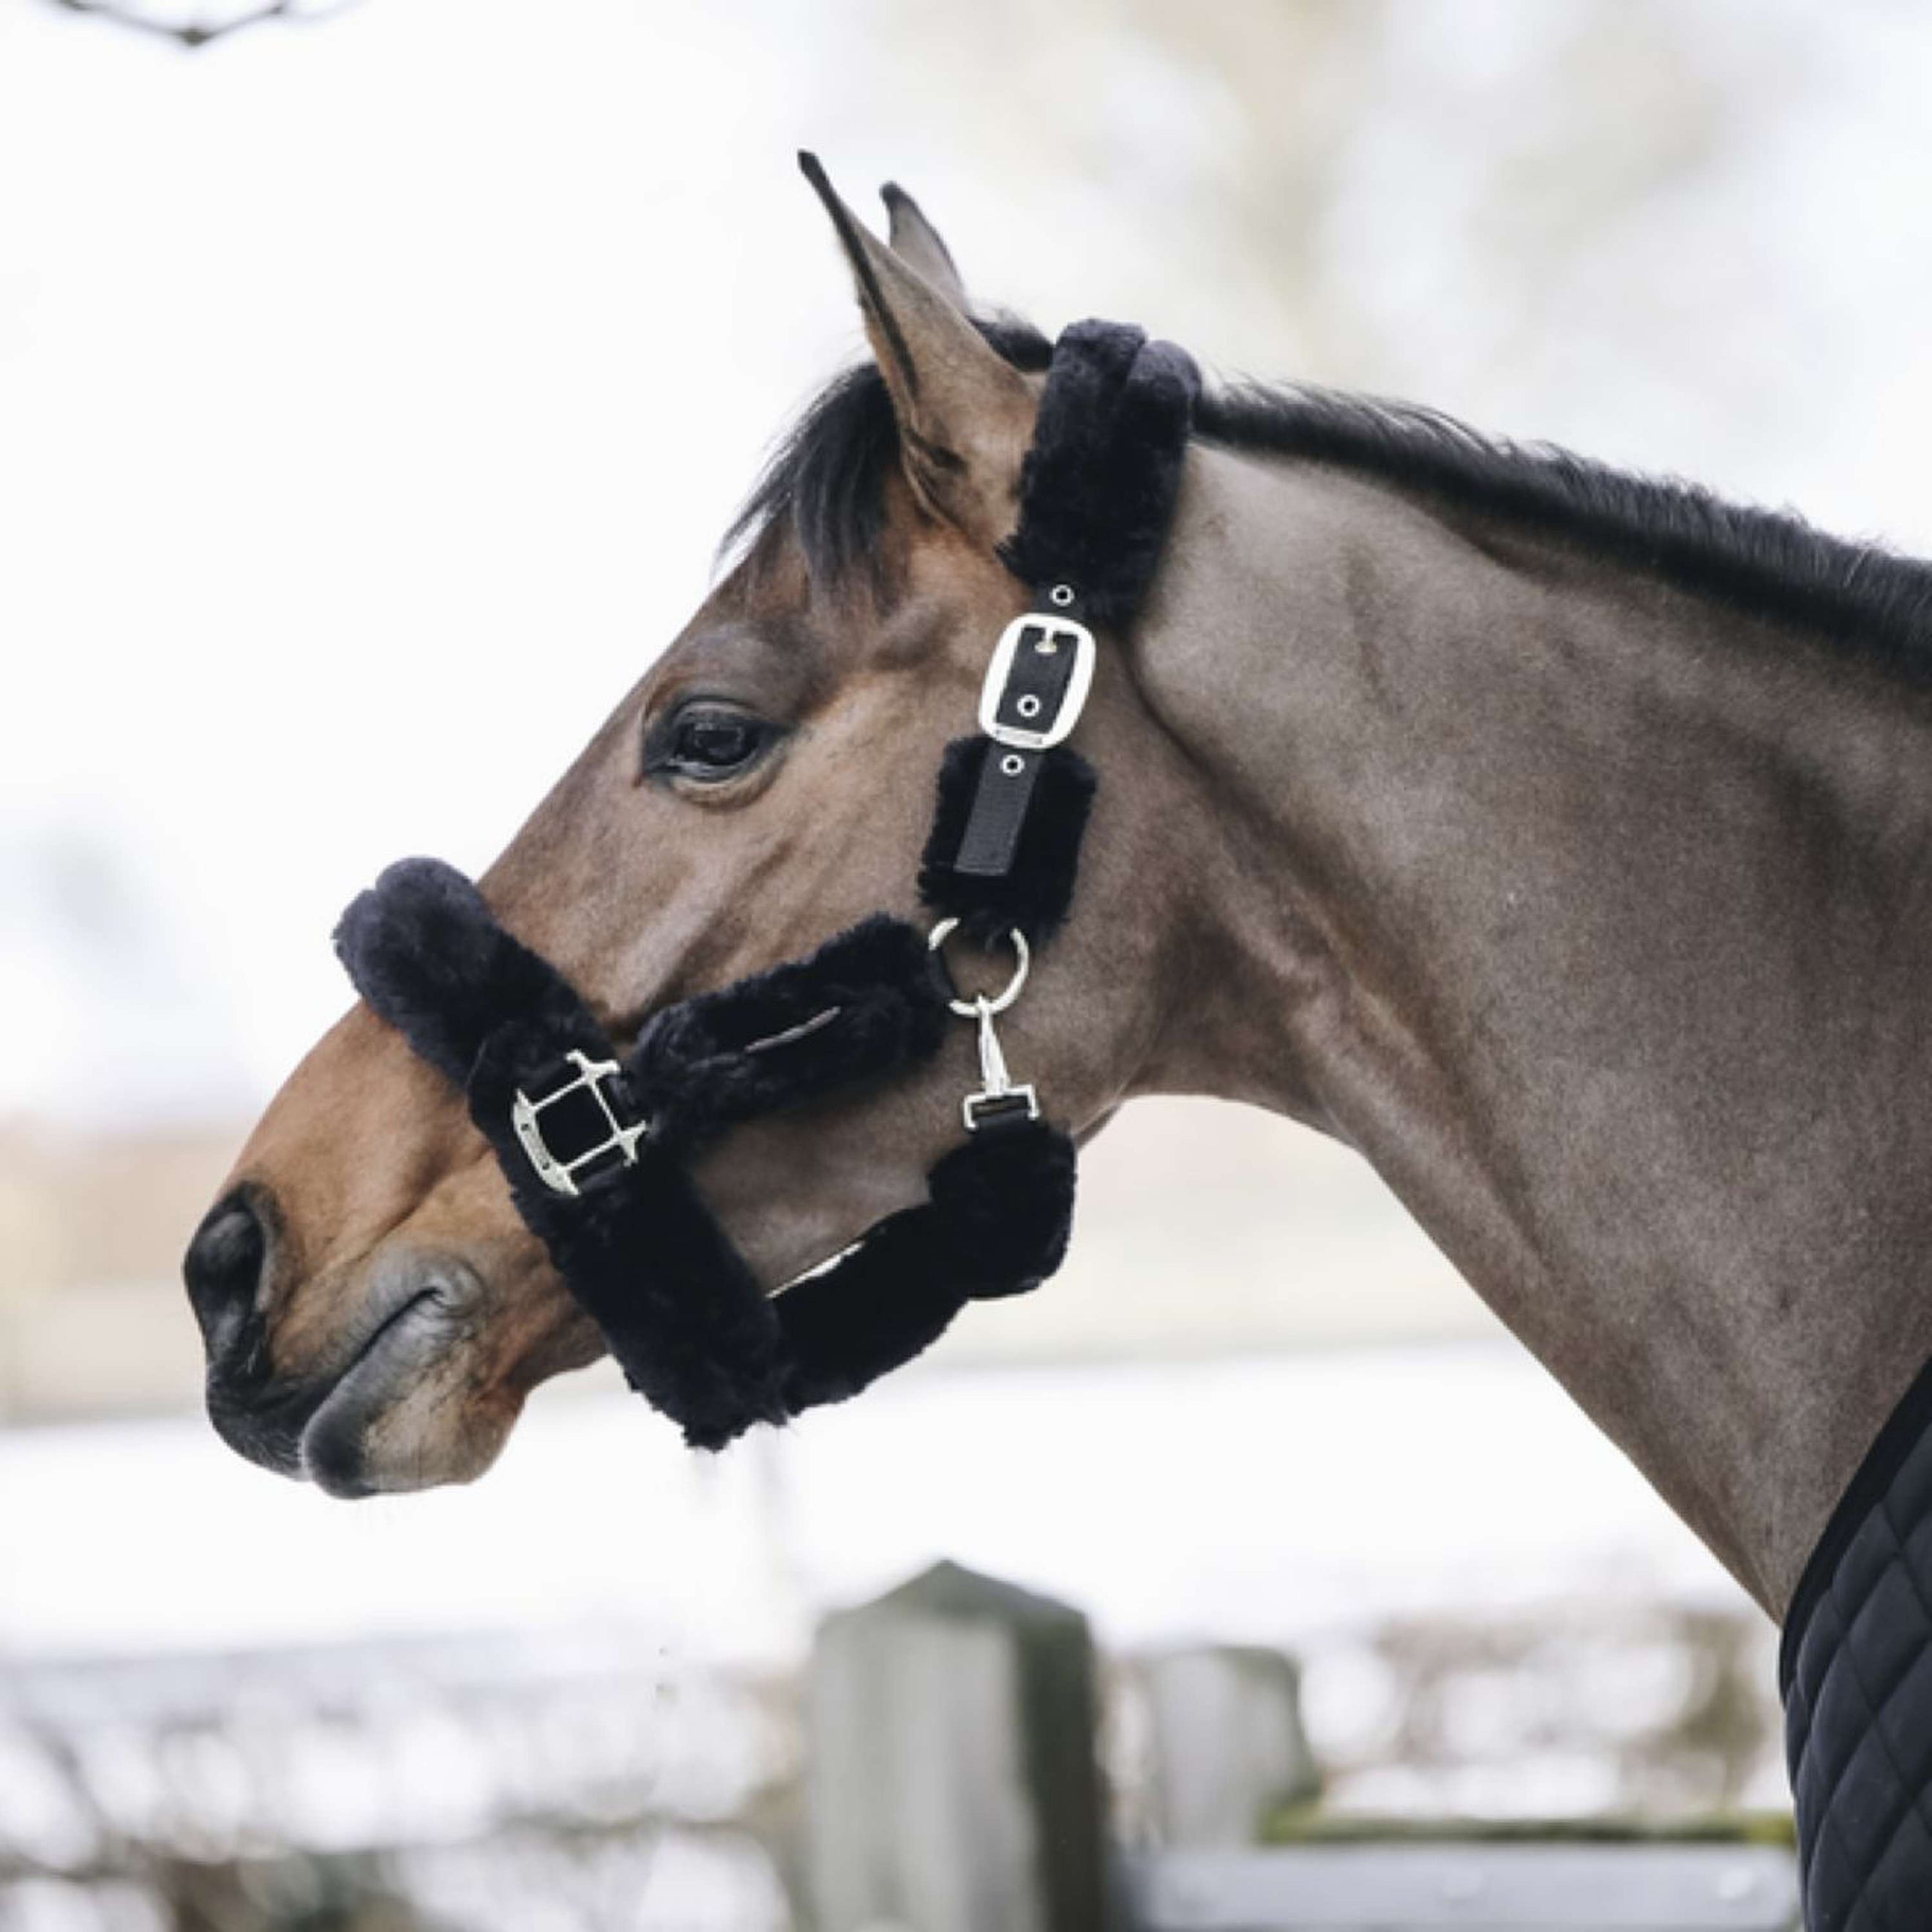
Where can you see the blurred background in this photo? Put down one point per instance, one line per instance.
(375, 382)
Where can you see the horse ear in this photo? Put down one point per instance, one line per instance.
(964, 412)
(916, 242)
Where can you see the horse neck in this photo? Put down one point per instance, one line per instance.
(1593, 914)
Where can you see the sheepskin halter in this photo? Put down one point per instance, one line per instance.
(594, 1145)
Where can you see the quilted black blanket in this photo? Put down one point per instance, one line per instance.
(1856, 1671)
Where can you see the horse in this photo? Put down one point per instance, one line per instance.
(1558, 838)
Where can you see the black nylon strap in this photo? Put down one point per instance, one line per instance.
(999, 813)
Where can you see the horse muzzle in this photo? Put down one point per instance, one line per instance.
(321, 1422)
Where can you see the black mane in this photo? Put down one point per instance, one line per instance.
(1868, 600)
(825, 482)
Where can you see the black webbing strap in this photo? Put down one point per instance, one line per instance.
(998, 813)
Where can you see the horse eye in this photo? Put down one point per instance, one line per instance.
(707, 741)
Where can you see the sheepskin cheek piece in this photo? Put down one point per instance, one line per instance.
(687, 1321)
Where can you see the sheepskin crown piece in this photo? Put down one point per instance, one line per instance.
(594, 1143)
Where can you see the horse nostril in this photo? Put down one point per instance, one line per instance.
(222, 1269)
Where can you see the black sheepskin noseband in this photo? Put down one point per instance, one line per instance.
(595, 1143)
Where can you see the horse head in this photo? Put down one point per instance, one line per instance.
(374, 1310)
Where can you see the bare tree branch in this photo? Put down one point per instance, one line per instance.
(199, 34)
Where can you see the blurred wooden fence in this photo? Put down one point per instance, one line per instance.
(951, 1786)
(954, 1758)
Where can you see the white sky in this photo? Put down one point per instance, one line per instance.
(372, 394)
(348, 373)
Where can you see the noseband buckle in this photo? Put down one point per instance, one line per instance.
(1037, 683)
(559, 1172)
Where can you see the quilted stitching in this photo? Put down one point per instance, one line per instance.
(1858, 1719)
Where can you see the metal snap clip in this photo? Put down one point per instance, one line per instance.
(999, 1096)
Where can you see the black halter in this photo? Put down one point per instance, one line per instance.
(595, 1146)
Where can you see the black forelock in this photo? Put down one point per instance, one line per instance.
(825, 483)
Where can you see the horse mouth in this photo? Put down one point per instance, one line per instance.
(316, 1425)
(332, 1448)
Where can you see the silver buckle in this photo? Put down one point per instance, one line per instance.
(1055, 634)
(525, 1115)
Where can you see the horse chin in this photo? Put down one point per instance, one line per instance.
(401, 1409)
(359, 1443)
(406, 1414)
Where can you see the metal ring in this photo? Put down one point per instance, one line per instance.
(970, 1009)
(1061, 595)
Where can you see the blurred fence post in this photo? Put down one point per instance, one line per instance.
(951, 1783)
(1229, 1745)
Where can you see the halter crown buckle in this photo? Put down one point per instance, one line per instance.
(557, 1174)
(1030, 653)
